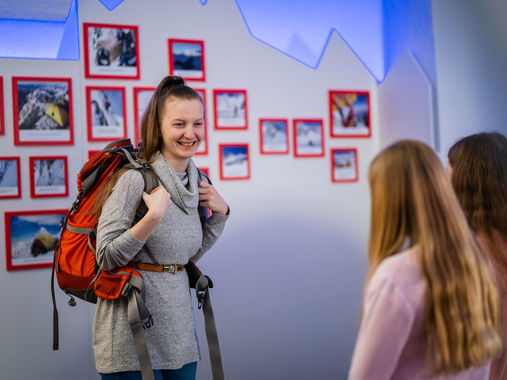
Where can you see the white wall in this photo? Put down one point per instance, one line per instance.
(290, 265)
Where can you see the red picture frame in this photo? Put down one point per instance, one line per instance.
(234, 161)
(349, 113)
(2, 112)
(270, 141)
(49, 178)
(230, 109)
(187, 59)
(140, 104)
(7, 189)
(344, 165)
(203, 148)
(108, 52)
(307, 141)
(51, 97)
(205, 170)
(105, 122)
(21, 229)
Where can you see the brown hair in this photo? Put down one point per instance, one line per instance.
(479, 178)
(151, 137)
(411, 197)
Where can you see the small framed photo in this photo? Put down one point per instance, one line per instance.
(234, 161)
(203, 148)
(31, 237)
(308, 137)
(349, 113)
(2, 112)
(230, 109)
(105, 108)
(10, 177)
(186, 59)
(111, 51)
(274, 136)
(48, 176)
(142, 97)
(344, 165)
(42, 110)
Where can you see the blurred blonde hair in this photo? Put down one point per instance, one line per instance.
(411, 197)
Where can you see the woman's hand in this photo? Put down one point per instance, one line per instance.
(158, 202)
(209, 197)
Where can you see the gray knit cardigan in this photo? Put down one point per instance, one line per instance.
(180, 236)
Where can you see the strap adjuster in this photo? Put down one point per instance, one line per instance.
(171, 268)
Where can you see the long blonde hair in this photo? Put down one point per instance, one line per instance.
(411, 197)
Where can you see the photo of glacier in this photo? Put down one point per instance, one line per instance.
(344, 165)
(231, 109)
(8, 177)
(23, 231)
(309, 138)
(49, 176)
(187, 60)
(235, 162)
(107, 113)
(274, 136)
(349, 114)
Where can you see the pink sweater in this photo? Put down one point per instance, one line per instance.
(391, 341)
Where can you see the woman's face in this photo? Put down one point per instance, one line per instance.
(182, 128)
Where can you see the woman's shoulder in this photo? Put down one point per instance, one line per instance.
(131, 179)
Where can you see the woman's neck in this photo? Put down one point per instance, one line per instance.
(179, 164)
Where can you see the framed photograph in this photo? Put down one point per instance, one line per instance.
(105, 108)
(308, 137)
(2, 112)
(274, 136)
(230, 109)
(30, 238)
(10, 177)
(111, 51)
(349, 113)
(186, 59)
(48, 176)
(203, 148)
(42, 110)
(344, 165)
(234, 161)
(142, 96)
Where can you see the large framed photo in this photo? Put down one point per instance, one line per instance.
(344, 165)
(105, 107)
(31, 237)
(308, 137)
(10, 178)
(142, 97)
(2, 112)
(234, 161)
(349, 113)
(274, 136)
(203, 147)
(186, 59)
(111, 51)
(42, 110)
(48, 176)
(230, 109)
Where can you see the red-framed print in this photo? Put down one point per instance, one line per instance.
(142, 97)
(234, 161)
(344, 166)
(111, 51)
(308, 137)
(106, 113)
(349, 113)
(49, 176)
(274, 136)
(230, 109)
(42, 111)
(31, 237)
(186, 59)
(2, 112)
(203, 147)
(10, 177)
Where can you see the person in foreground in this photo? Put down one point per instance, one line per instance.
(478, 167)
(171, 130)
(430, 305)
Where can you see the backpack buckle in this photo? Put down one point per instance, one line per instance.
(171, 268)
